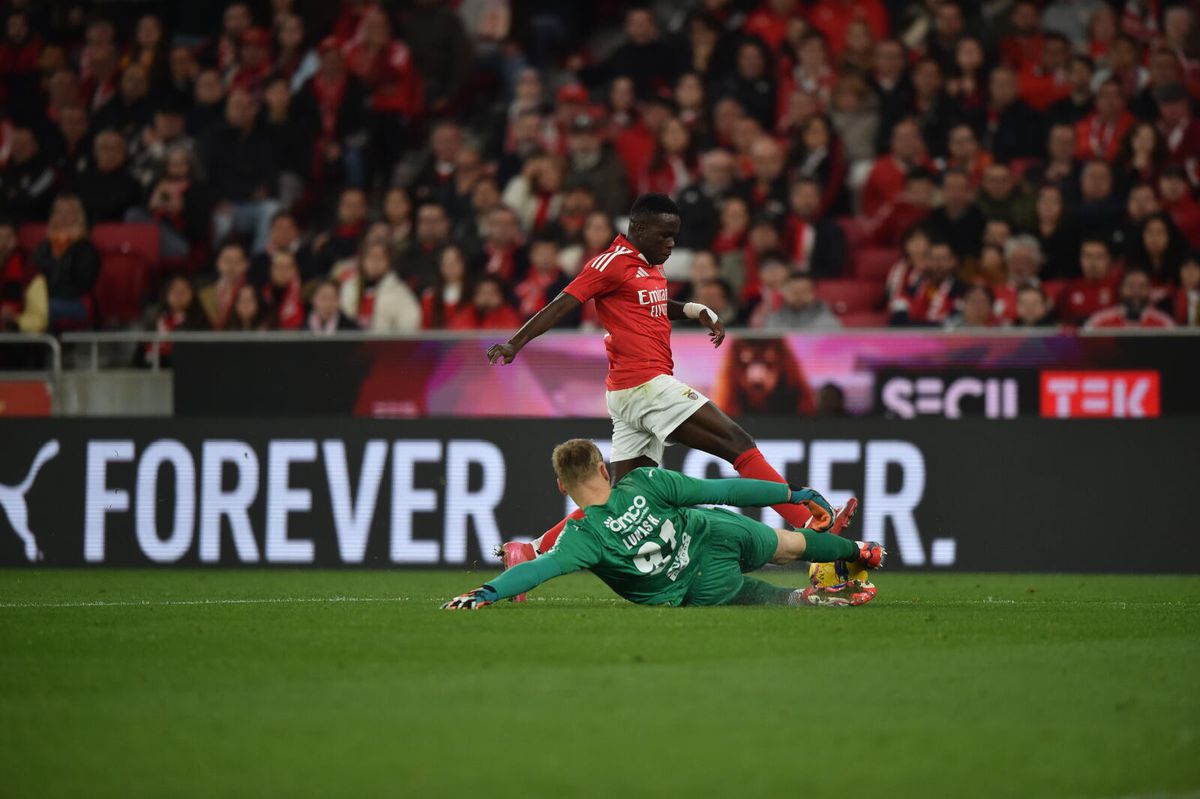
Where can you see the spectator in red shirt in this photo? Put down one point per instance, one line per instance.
(907, 272)
(735, 226)
(886, 180)
(249, 73)
(673, 164)
(1180, 129)
(811, 73)
(913, 207)
(832, 17)
(1135, 309)
(1187, 297)
(441, 301)
(544, 281)
(504, 253)
(1022, 48)
(1023, 260)
(1099, 134)
(936, 294)
(489, 308)
(773, 270)
(1097, 289)
(769, 22)
(1045, 82)
(536, 194)
(1177, 200)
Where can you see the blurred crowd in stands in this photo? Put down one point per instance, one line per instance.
(450, 164)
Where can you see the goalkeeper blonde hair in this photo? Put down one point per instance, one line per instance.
(576, 460)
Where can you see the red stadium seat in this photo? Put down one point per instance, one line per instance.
(865, 319)
(128, 238)
(856, 236)
(30, 235)
(874, 263)
(121, 288)
(849, 296)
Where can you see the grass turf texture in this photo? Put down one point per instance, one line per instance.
(962, 685)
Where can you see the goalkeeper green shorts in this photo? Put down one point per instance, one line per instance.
(734, 546)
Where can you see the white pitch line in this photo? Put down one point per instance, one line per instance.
(173, 602)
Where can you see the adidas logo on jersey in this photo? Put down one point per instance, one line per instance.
(642, 272)
(601, 262)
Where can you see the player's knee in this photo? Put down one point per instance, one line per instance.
(790, 547)
(739, 441)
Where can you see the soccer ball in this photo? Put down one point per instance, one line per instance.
(841, 576)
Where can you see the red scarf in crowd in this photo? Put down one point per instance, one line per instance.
(287, 302)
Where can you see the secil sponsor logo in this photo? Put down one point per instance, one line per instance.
(950, 397)
(1101, 395)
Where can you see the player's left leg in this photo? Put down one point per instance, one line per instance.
(708, 429)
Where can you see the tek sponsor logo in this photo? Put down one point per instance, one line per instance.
(1101, 395)
(990, 397)
(14, 501)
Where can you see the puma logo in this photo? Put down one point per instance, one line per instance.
(12, 500)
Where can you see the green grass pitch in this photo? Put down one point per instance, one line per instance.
(297, 684)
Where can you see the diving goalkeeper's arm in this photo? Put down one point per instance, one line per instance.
(517, 580)
(741, 492)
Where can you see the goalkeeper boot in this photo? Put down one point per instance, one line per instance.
(515, 552)
(848, 594)
(870, 554)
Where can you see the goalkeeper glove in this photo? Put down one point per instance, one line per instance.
(817, 505)
(472, 600)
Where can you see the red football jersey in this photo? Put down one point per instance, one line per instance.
(631, 301)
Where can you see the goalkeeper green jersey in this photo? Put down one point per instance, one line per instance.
(644, 542)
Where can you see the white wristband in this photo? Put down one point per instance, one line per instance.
(692, 310)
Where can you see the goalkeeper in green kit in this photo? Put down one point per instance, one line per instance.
(645, 541)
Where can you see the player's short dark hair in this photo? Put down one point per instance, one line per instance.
(651, 205)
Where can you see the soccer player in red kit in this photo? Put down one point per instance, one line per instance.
(647, 404)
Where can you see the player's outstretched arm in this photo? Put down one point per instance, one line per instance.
(702, 314)
(538, 324)
(739, 492)
(517, 580)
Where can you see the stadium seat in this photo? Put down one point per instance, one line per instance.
(856, 236)
(849, 296)
(121, 288)
(30, 235)
(862, 319)
(874, 263)
(128, 238)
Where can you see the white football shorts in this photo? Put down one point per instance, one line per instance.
(644, 416)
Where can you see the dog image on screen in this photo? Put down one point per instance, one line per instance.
(762, 377)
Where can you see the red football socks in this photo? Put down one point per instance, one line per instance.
(752, 464)
(545, 542)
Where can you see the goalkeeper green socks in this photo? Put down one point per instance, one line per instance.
(823, 547)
